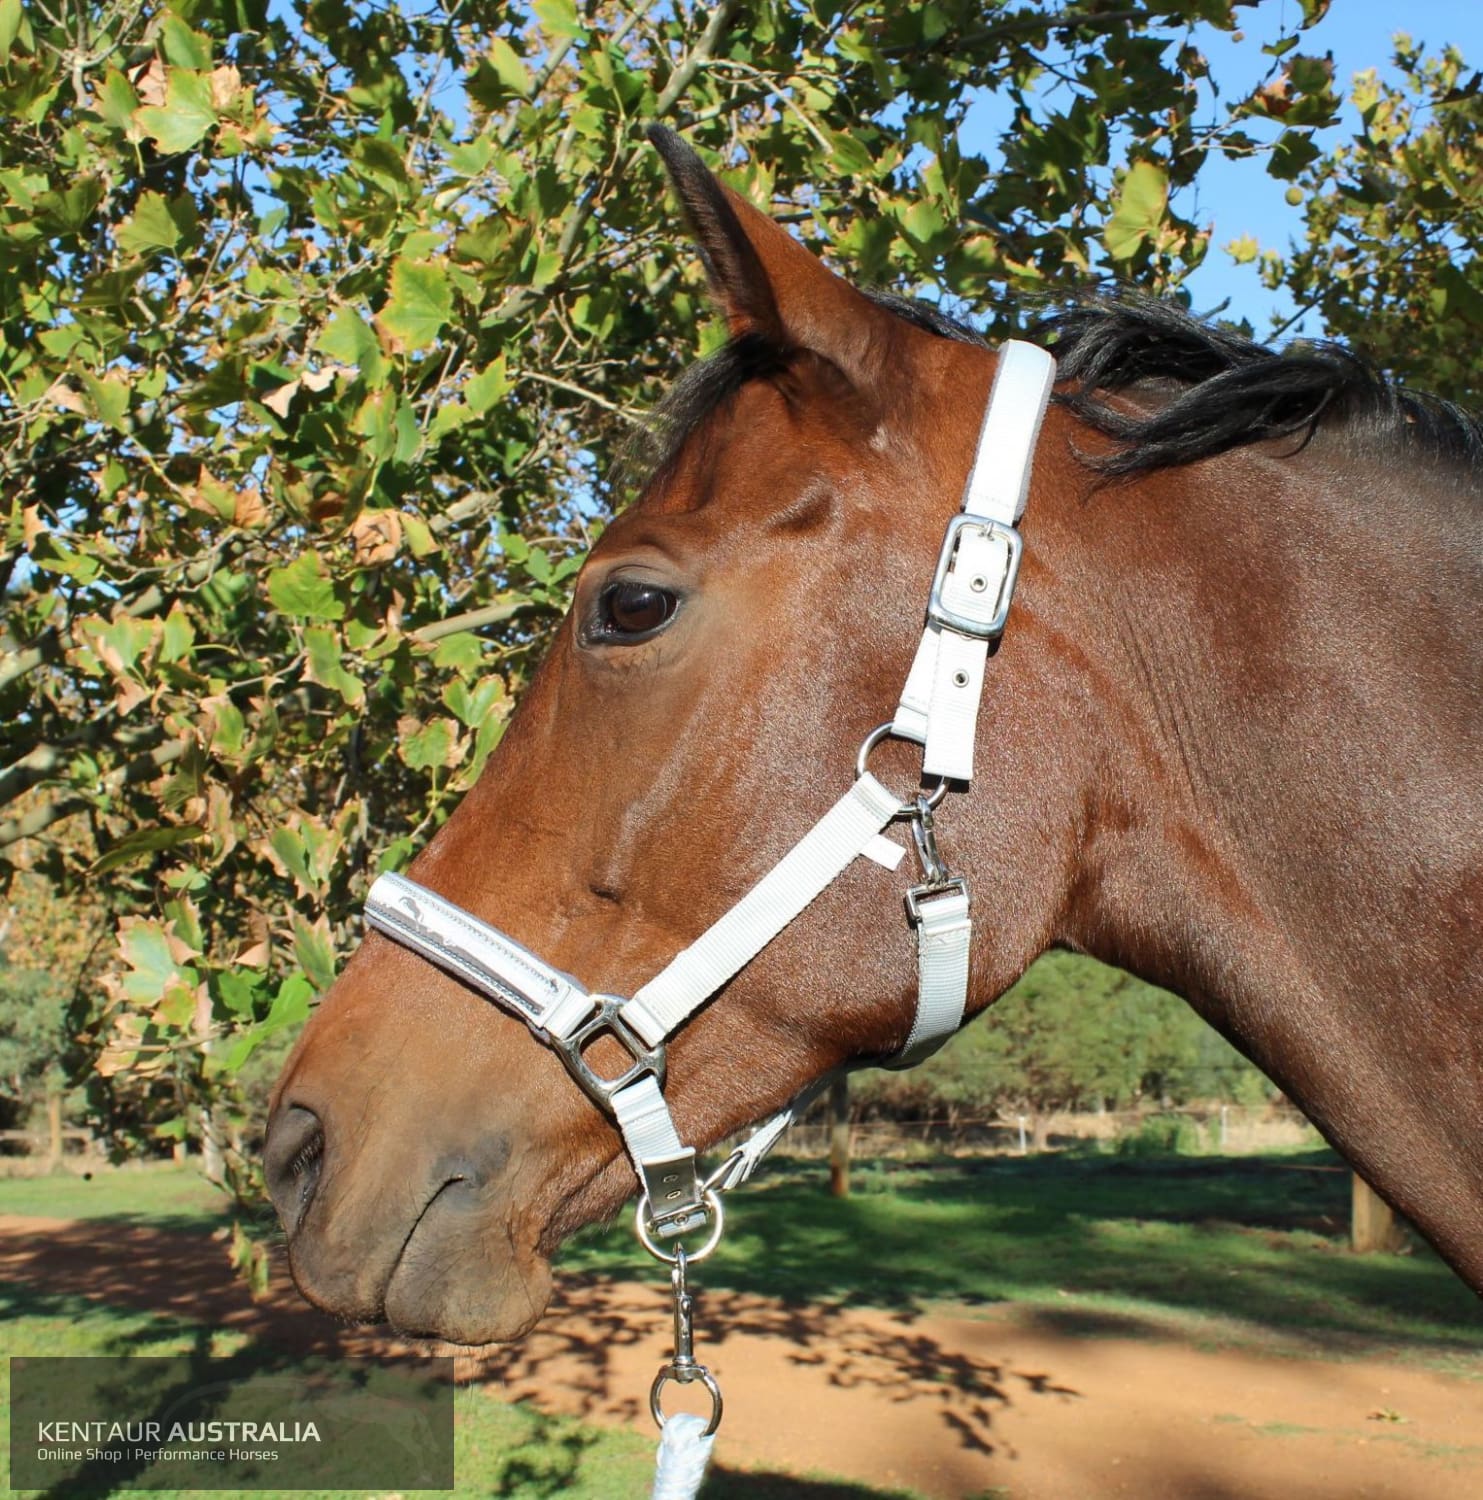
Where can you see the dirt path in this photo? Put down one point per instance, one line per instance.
(1006, 1404)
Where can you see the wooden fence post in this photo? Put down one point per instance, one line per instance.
(839, 1136)
(54, 1130)
(1372, 1221)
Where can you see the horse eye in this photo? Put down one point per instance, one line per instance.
(634, 609)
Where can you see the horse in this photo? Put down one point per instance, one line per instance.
(1229, 742)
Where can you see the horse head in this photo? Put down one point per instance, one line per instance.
(733, 635)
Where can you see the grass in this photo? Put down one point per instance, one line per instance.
(500, 1449)
(162, 1195)
(1224, 1249)
(1218, 1249)
(1247, 1250)
(1214, 1248)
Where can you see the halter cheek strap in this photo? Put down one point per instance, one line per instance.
(967, 607)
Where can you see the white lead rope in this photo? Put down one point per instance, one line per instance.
(684, 1451)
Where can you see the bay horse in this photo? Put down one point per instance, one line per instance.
(1230, 741)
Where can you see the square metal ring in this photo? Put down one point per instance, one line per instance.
(607, 1018)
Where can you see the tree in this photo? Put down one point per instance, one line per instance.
(321, 327)
(34, 1041)
(1392, 253)
(1071, 1034)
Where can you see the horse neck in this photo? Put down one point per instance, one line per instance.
(1280, 820)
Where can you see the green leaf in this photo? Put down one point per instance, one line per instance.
(183, 47)
(419, 535)
(182, 122)
(11, 17)
(429, 747)
(421, 301)
(231, 730)
(324, 651)
(1141, 200)
(142, 842)
(1293, 152)
(153, 970)
(150, 227)
(1460, 298)
(349, 340)
(239, 993)
(303, 589)
(110, 398)
(485, 388)
(115, 99)
(463, 652)
(289, 847)
(508, 65)
(558, 18)
(473, 704)
(315, 952)
(290, 1009)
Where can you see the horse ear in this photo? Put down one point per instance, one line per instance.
(766, 282)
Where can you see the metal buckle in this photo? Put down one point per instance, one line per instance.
(948, 617)
(673, 1200)
(920, 893)
(607, 1017)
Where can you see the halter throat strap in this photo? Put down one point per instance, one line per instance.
(967, 607)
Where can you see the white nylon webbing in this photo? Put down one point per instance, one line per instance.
(939, 704)
(943, 937)
(999, 484)
(725, 947)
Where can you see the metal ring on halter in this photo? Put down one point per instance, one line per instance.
(907, 809)
(712, 1205)
(700, 1376)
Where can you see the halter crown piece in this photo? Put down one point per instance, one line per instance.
(966, 611)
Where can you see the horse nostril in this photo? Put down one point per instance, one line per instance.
(292, 1158)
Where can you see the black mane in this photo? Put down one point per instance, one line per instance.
(1216, 389)
(1219, 389)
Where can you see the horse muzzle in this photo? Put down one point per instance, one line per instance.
(430, 1247)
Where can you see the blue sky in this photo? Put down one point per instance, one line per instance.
(1239, 197)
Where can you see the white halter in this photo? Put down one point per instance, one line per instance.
(966, 610)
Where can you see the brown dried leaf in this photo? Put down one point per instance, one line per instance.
(226, 84)
(317, 380)
(1274, 96)
(63, 394)
(280, 400)
(128, 694)
(377, 535)
(250, 511)
(149, 82)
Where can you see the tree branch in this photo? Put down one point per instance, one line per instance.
(477, 619)
(40, 818)
(1016, 26)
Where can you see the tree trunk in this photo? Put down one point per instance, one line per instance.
(54, 1129)
(1372, 1223)
(213, 1159)
(839, 1136)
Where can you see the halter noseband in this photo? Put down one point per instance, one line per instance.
(966, 610)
